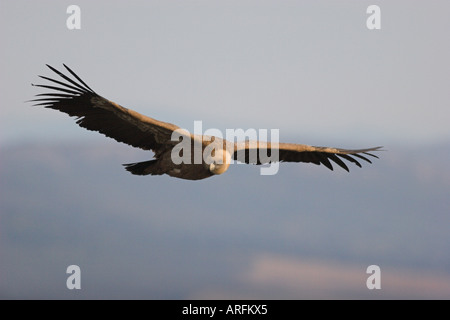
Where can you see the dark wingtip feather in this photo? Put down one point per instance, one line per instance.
(68, 91)
(324, 160)
(82, 86)
(372, 155)
(76, 93)
(361, 157)
(78, 78)
(348, 158)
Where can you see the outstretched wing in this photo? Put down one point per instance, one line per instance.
(263, 152)
(96, 113)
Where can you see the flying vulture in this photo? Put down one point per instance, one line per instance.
(93, 112)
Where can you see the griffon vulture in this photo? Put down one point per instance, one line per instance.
(74, 97)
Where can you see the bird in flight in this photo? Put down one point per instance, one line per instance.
(93, 112)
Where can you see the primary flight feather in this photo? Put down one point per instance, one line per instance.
(74, 97)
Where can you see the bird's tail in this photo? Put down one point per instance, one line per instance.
(143, 168)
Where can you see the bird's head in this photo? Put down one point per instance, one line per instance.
(218, 161)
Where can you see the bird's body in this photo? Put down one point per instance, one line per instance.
(191, 169)
(96, 113)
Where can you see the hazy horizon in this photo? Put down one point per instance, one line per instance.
(303, 233)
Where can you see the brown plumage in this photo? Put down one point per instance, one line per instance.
(96, 113)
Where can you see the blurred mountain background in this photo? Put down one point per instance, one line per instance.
(305, 232)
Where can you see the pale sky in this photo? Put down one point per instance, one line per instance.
(309, 68)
